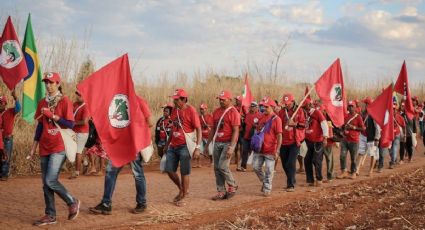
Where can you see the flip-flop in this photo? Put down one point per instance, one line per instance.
(177, 198)
(180, 203)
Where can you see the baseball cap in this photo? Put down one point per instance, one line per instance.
(287, 99)
(3, 99)
(254, 104)
(224, 95)
(203, 106)
(367, 100)
(178, 93)
(352, 103)
(52, 77)
(267, 101)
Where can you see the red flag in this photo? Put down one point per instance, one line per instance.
(111, 99)
(381, 110)
(402, 87)
(247, 97)
(306, 92)
(330, 89)
(13, 67)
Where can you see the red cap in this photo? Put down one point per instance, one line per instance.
(352, 103)
(168, 104)
(415, 98)
(224, 95)
(3, 99)
(239, 98)
(52, 77)
(178, 93)
(287, 99)
(267, 101)
(306, 102)
(203, 106)
(367, 100)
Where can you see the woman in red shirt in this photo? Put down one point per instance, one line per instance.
(52, 111)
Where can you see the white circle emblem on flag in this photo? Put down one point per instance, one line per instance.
(10, 54)
(336, 95)
(119, 111)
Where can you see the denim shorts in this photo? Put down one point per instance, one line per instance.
(175, 155)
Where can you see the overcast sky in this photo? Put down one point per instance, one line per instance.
(372, 37)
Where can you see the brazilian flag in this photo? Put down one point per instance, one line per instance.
(34, 89)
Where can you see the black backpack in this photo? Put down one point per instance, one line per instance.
(92, 135)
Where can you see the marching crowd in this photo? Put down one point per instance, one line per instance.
(260, 135)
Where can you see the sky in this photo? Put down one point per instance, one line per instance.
(371, 37)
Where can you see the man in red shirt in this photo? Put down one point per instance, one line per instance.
(81, 129)
(242, 111)
(224, 137)
(399, 131)
(352, 128)
(292, 136)
(271, 125)
(316, 135)
(206, 125)
(8, 120)
(185, 120)
(250, 124)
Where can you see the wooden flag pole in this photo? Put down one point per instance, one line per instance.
(300, 104)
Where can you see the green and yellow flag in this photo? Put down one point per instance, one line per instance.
(34, 89)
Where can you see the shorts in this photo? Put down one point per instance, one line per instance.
(178, 155)
(368, 147)
(81, 141)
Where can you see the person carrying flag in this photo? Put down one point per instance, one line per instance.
(292, 136)
(8, 116)
(316, 135)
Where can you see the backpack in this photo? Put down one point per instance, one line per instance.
(257, 139)
(91, 140)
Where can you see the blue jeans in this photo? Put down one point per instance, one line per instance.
(289, 154)
(395, 148)
(222, 171)
(353, 149)
(266, 175)
(50, 169)
(178, 155)
(4, 166)
(246, 151)
(382, 153)
(139, 179)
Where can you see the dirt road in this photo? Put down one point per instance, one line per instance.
(22, 201)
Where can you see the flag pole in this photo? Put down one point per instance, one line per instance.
(301, 103)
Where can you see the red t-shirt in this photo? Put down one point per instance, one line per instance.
(1, 136)
(189, 120)
(81, 114)
(230, 119)
(353, 135)
(51, 139)
(206, 124)
(270, 137)
(292, 135)
(250, 119)
(8, 121)
(398, 123)
(144, 106)
(163, 127)
(313, 130)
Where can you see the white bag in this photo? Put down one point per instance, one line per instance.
(147, 153)
(250, 158)
(163, 163)
(303, 149)
(70, 141)
(190, 141)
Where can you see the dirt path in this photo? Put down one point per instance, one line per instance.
(22, 200)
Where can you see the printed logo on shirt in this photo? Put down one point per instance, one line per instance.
(176, 134)
(220, 134)
(10, 54)
(119, 111)
(53, 132)
(336, 95)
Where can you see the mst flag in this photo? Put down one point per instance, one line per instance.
(13, 67)
(111, 99)
(330, 89)
(34, 89)
(402, 87)
(247, 97)
(381, 110)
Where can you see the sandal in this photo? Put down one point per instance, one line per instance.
(180, 202)
(177, 198)
(219, 196)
